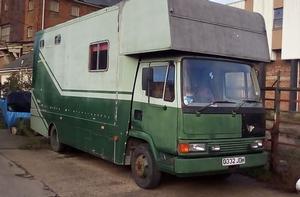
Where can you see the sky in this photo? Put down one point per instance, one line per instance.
(224, 1)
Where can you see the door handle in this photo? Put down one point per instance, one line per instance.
(164, 107)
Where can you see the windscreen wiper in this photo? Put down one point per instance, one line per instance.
(243, 103)
(210, 104)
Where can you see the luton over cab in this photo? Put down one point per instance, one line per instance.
(161, 85)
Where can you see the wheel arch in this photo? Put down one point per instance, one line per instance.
(51, 125)
(137, 137)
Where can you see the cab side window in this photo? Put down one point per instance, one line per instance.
(170, 84)
(158, 82)
(156, 86)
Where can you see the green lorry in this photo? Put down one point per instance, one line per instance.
(162, 85)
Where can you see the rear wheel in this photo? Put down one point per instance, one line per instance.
(56, 145)
(143, 167)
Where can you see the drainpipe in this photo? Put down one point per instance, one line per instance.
(262, 79)
(43, 14)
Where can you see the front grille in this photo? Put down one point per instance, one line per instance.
(232, 146)
(257, 122)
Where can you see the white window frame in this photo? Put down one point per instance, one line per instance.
(29, 32)
(54, 6)
(30, 5)
(7, 35)
(5, 6)
(75, 11)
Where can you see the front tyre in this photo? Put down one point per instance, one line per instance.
(56, 145)
(143, 168)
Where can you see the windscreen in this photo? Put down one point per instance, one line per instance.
(206, 81)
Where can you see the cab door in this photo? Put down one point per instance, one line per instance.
(155, 104)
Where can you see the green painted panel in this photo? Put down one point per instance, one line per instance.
(85, 123)
(160, 124)
(211, 126)
(214, 164)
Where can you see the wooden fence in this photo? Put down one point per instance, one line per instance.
(275, 115)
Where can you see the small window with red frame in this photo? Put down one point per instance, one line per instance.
(98, 56)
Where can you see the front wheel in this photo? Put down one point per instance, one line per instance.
(143, 167)
(56, 145)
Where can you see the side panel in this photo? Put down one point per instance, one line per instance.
(91, 110)
(37, 120)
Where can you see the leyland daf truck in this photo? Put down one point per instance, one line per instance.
(162, 85)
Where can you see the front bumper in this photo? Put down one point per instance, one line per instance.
(185, 166)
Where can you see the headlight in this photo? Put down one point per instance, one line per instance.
(215, 148)
(197, 147)
(256, 144)
(259, 143)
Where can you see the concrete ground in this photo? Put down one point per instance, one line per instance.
(42, 172)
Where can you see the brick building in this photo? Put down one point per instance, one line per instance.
(283, 29)
(20, 19)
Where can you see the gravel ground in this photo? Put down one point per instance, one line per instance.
(78, 174)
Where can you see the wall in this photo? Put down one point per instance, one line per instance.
(32, 18)
(64, 14)
(291, 30)
(15, 17)
(20, 18)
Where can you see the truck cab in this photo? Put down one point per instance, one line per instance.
(202, 114)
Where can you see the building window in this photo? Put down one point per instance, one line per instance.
(75, 11)
(98, 56)
(5, 33)
(0, 7)
(5, 6)
(29, 32)
(278, 18)
(57, 39)
(54, 6)
(30, 5)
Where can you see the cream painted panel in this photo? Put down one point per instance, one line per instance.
(291, 30)
(127, 69)
(69, 60)
(265, 8)
(145, 26)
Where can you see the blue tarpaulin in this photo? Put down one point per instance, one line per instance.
(12, 116)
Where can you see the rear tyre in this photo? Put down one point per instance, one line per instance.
(143, 167)
(56, 145)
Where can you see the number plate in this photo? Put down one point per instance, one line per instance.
(231, 161)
